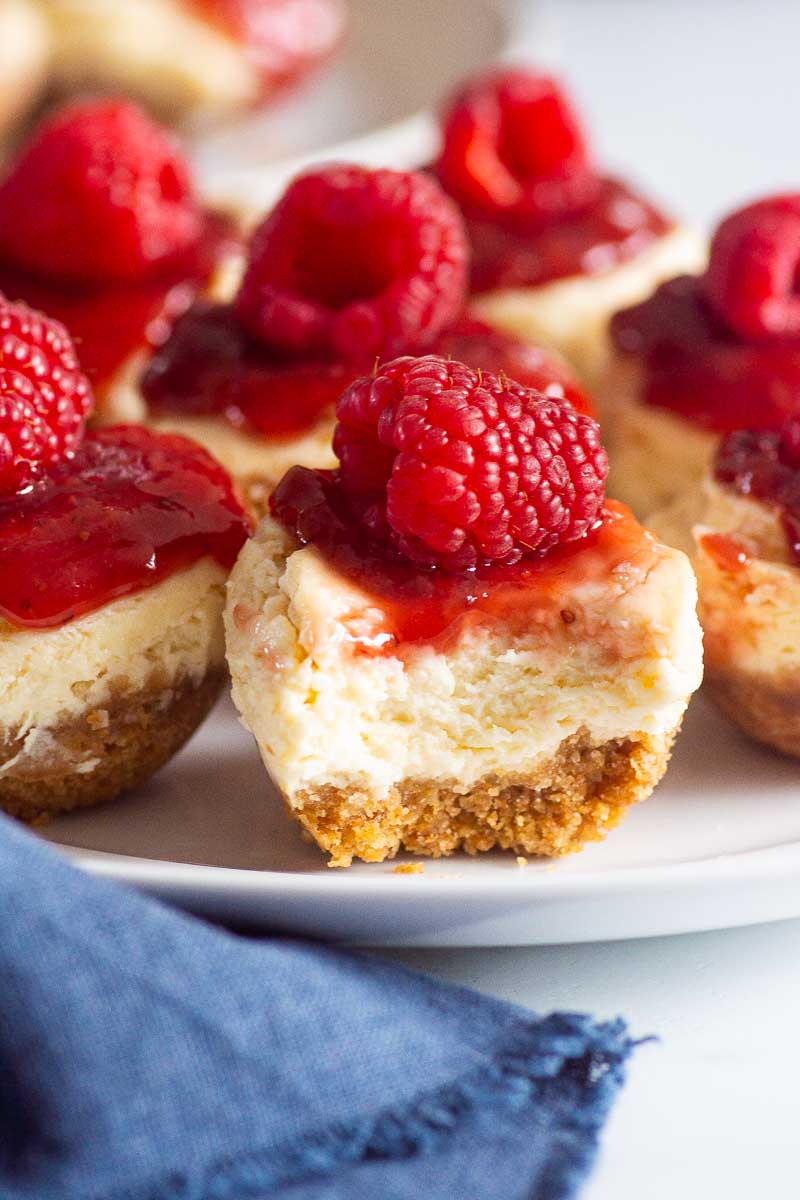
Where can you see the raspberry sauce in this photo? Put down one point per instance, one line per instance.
(129, 510)
(618, 224)
(699, 369)
(109, 322)
(210, 365)
(406, 606)
(761, 464)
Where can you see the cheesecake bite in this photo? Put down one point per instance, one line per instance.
(352, 266)
(704, 356)
(115, 547)
(742, 527)
(557, 246)
(452, 640)
(120, 244)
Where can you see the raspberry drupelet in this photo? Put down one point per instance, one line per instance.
(452, 640)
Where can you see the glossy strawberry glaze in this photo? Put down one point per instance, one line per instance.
(131, 508)
(109, 323)
(211, 366)
(406, 606)
(617, 225)
(697, 368)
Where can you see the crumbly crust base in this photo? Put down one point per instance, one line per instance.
(573, 798)
(131, 737)
(762, 707)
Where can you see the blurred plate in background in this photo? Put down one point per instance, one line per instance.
(368, 104)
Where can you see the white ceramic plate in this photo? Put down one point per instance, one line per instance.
(717, 845)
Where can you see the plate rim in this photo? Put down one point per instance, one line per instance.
(733, 867)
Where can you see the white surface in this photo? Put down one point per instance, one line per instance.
(717, 845)
(709, 1112)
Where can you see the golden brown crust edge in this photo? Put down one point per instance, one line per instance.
(131, 737)
(761, 707)
(574, 798)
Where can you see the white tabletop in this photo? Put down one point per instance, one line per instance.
(699, 100)
(710, 1110)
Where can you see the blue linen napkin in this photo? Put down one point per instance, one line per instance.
(147, 1056)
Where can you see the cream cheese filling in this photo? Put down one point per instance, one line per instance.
(171, 631)
(490, 704)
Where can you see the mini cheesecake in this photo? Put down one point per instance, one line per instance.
(557, 247)
(111, 598)
(686, 369)
(520, 705)
(742, 527)
(123, 245)
(233, 54)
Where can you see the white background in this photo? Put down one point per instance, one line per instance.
(700, 100)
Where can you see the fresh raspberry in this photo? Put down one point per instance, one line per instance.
(44, 398)
(354, 263)
(490, 349)
(514, 151)
(754, 268)
(458, 467)
(110, 195)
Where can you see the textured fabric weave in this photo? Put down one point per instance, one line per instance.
(147, 1056)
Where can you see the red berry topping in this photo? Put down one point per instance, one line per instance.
(44, 398)
(514, 149)
(354, 263)
(754, 268)
(458, 467)
(112, 197)
(130, 509)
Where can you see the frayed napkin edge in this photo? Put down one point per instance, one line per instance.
(513, 1077)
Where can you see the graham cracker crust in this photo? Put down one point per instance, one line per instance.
(126, 741)
(760, 706)
(576, 797)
